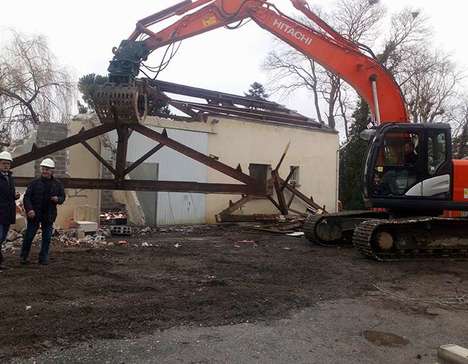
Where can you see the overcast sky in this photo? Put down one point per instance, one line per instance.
(82, 34)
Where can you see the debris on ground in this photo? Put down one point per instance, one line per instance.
(296, 234)
(211, 279)
(120, 230)
(113, 218)
(281, 225)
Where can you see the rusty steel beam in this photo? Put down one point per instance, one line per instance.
(236, 205)
(193, 154)
(291, 200)
(146, 185)
(221, 98)
(98, 157)
(252, 114)
(143, 158)
(272, 218)
(288, 178)
(38, 153)
(280, 162)
(304, 198)
(279, 193)
(274, 203)
(121, 157)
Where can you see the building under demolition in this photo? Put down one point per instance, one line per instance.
(241, 132)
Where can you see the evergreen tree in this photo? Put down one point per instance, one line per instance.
(460, 144)
(257, 91)
(89, 83)
(82, 109)
(352, 157)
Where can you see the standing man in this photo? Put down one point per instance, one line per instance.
(8, 196)
(40, 203)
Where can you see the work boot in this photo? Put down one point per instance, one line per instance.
(43, 262)
(24, 261)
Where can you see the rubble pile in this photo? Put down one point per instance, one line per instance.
(280, 224)
(13, 242)
(113, 218)
(77, 238)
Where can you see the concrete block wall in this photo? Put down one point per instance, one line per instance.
(48, 133)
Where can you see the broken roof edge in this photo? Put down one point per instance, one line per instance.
(304, 125)
(224, 104)
(206, 125)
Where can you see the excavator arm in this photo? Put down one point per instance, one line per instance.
(415, 188)
(325, 46)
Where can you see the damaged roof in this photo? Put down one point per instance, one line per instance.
(215, 103)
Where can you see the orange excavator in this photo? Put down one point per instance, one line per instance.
(409, 176)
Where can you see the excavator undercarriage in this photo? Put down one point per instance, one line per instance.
(379, 236)
(412, 238)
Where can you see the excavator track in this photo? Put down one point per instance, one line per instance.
(412, 238)
(121, 104)
(337, 228)
(309, 230)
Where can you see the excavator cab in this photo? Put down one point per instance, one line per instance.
(409, 167)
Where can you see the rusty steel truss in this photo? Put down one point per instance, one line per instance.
(118, 110)
(124, 130)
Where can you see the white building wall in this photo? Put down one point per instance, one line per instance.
(243, 142)
(175, 208)
(237, 141)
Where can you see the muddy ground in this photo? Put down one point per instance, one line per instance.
(204, 276)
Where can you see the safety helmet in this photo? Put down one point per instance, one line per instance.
(6, 156)
(49, 163)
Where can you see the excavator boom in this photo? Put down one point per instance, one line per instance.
(409, 168)
(324, 45)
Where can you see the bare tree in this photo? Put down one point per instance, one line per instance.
(429, 78)
(409, 32)
(432, 86)
(460, 128)
(358, 20)
(33, 87)
(291, 70)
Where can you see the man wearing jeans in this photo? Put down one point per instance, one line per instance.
(8, 196)
(40, 203)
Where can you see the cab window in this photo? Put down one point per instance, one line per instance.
(397, 164)
(436, 152)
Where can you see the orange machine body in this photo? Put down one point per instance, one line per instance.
(352, 62)
(326, 46)
(460, 181)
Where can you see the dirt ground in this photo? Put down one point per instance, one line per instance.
(204, 276)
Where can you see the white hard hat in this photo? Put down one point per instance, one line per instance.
(6, 156)
(49, 163)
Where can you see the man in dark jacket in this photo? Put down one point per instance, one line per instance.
(8, 196)
(40, 203)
